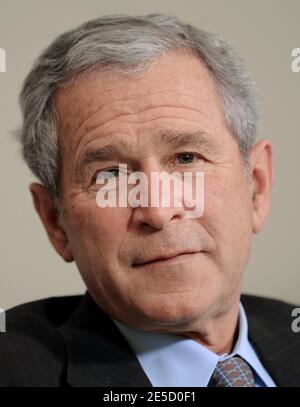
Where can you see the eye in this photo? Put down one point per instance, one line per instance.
(105, 174)
(188, 157)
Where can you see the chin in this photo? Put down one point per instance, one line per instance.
(172, 309)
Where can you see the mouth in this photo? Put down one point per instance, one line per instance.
(166, 259)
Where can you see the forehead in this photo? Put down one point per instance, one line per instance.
(178, 80)
(179, 72)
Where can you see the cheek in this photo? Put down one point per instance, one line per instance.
(226, 198)
(217, 197)
(97, 233)
(227, 212)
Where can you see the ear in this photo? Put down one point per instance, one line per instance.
(262, 178)
(50, 218)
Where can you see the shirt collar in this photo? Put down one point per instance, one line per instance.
(244, 349)
(173, 360)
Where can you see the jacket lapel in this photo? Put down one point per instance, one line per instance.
(97, 353)
(277, 345)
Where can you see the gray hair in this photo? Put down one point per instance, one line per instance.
(127, 44)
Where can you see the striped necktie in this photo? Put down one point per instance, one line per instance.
(232, 372)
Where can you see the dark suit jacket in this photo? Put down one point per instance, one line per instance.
(70, 341)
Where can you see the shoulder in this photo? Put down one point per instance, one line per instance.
(272, 321)
(274, 333)
(270, 308)
(32, 351)
(53, 311)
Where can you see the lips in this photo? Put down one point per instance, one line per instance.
(161, 258)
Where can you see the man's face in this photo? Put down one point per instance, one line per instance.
(110, 244)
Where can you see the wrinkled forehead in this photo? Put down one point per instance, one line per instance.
(178, 81)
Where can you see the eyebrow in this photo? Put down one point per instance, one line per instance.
(199, 138)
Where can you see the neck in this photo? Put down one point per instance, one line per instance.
(219, 336)
(217, 331)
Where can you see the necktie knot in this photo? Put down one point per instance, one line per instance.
(232, 372)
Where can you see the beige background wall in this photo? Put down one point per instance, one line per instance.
(265, 32)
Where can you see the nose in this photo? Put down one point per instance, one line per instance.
(162, 206)
(155, 217)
